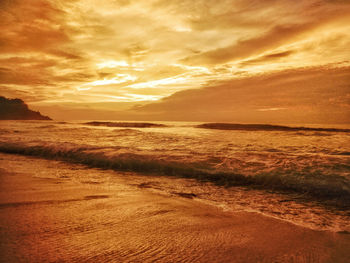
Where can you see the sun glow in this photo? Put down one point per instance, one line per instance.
(112, 64)
(158, 83)
(119, 78)
(193, 68)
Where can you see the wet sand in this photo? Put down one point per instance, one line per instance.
(48, 215)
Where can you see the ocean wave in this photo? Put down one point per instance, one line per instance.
(313, 185)
(50, 126)
(125, 124)
(128, 131)
(265, 127)
(344, 153)
(4, 131)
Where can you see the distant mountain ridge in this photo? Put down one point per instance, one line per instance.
(16, 109)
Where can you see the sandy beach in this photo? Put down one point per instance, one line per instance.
(102, 216)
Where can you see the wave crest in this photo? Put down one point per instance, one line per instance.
(125, 124)
(313, 186)
(264, 127)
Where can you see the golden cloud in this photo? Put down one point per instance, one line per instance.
(95, 51)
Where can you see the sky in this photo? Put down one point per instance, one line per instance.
(271, 61)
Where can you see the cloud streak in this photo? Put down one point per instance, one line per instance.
(310, 95)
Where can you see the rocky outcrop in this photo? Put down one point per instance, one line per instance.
(16, 109)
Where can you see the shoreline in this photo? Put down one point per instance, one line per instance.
(46, 215)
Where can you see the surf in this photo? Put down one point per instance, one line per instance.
(316, 186)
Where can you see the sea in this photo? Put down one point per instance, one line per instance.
(294, 173)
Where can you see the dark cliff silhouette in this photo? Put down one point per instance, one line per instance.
(16, 109)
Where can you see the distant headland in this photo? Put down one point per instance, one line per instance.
(16, 109)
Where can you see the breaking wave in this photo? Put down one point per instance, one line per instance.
(317, 186)
(264, 127)
(125, 124)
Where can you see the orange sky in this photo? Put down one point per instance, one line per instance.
(271, 61)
